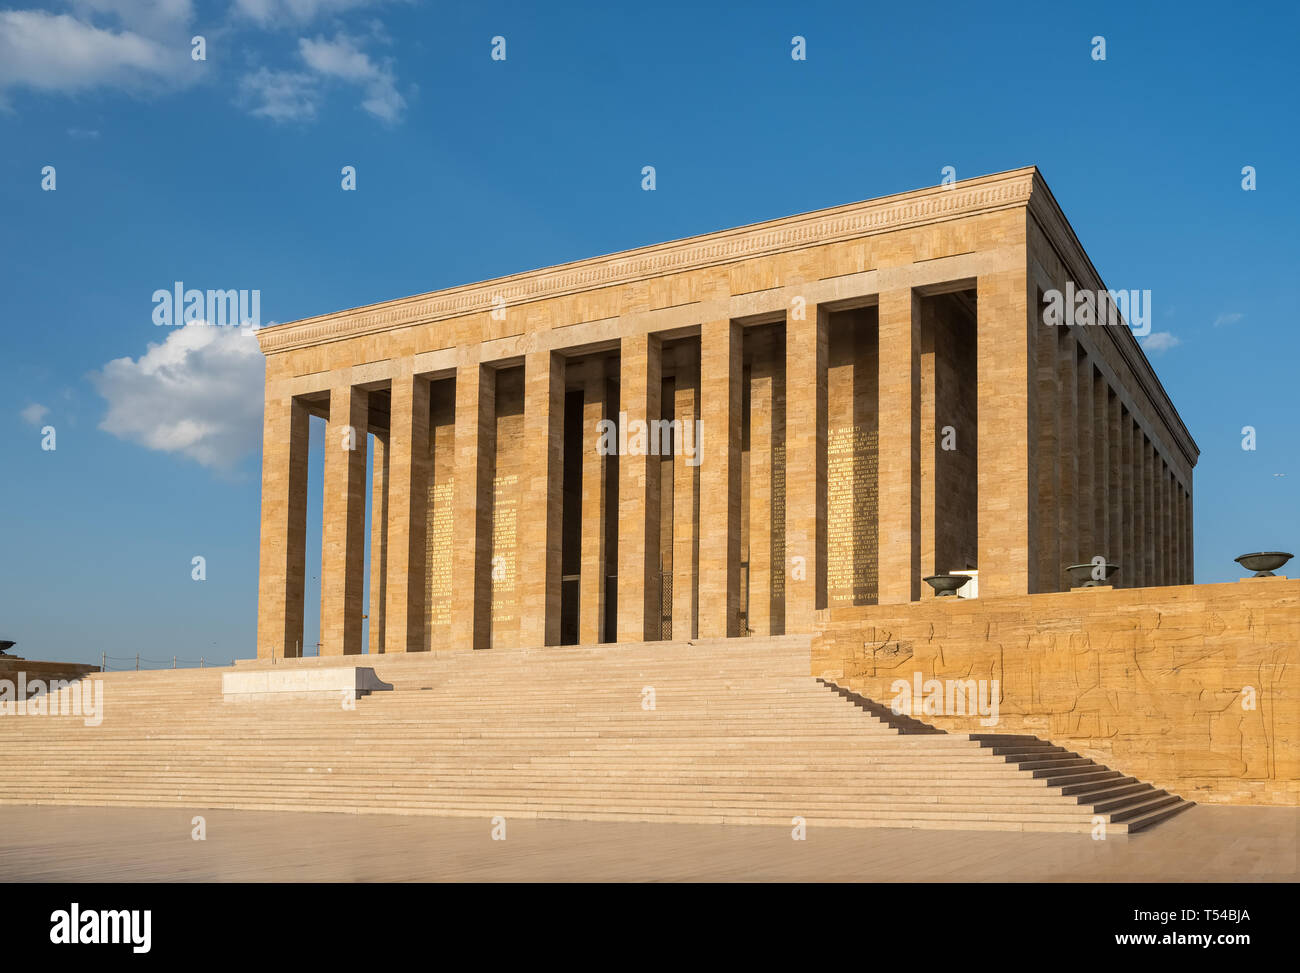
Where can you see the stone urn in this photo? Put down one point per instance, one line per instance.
(1263, 563)
(1082, 574)
(946, 585)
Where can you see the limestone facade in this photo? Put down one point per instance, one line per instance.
(812, 413)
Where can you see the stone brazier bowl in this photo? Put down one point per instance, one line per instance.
(1263, 563)
(5, 646)
(1081, 574)
(946, 585)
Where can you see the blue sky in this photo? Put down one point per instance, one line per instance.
(225, 174)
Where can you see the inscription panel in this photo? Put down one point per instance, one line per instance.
(851, 522)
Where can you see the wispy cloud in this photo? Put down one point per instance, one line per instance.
(282, 96)
(1158, 342)
(34, 413)
(295, 95)
(1228, 317)
(341, 58)
(271, 13)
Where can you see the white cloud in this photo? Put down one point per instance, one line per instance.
(34, 413)
(274, 12)
(1228, 317)
(152, 17)
(342, 59)
(58, 52)
(282, 96)
(1158, 342)
(199, 393)
(296, 95)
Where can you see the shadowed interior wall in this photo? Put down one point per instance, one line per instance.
(949, 425)
(852, 437)
(442, 486)
(506, 500)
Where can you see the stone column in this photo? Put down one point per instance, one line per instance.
(1179, 533)
(640, 390)
(543, 491)
(472, 506)
(1008, 331)
(1088, 545)
(806, 352)
(721, 367)
(282, 561)
(899, 456)
(1047, 421)
(1117, 538)
(1168, 573)
(378, 539)
(591, 575)
(344, 520)
(1101, 484)
(686, 497)
(1190, 535)
(1129, 501)
(1150, 532)
(408, 513)
(1067, 368)
(1139, 502)
(1161, 515)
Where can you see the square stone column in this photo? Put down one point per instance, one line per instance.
(1008, 332)
(378, 539)
(1160, 537)
(686, 495)
(1162, 512)
(1100, 436)
(721, 370)
(283, 552)
(899, 455)
(595, 567)
(1117, 536)
(807, 343)
(406, 613)
(640, 389)
(1137, 495)
(344, 520)
(1175, 530)
(542, 478)
(1131, 565)
(472, 502)
(1173, 527)
(1149, 511)
(1067, 487)
(1190, 533)
(1086, 433)
(1047, 447)
(1168, 547)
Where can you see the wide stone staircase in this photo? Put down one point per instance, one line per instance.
(728, 732)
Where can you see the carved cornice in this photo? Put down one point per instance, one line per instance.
(855, 220)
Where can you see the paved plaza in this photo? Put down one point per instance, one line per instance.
(87, 844)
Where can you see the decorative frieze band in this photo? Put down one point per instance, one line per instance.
(986, 194)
